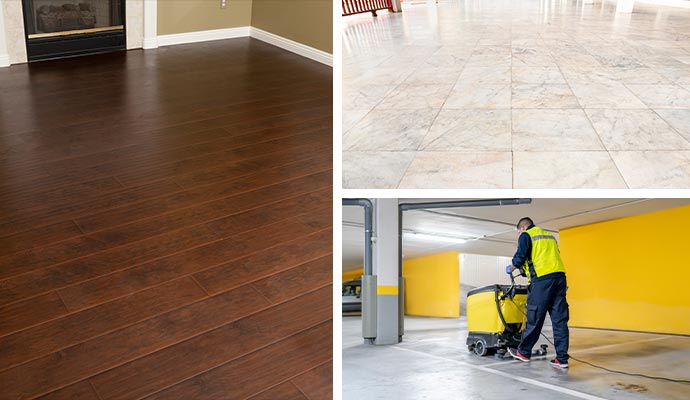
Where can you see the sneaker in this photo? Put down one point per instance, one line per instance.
(517, 355)
(558, 364)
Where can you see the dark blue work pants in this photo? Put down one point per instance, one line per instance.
(547, 295)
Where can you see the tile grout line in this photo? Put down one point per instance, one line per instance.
(582, 108)
(431, 124)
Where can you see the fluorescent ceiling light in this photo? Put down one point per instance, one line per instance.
(435, 238)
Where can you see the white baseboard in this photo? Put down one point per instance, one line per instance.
(4, 60)
(203, 36)
(150, 43)
(292, 46)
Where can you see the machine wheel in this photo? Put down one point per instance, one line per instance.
(480, 348)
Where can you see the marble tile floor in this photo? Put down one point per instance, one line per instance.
(517, 94)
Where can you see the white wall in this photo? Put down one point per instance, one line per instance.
(478, 270)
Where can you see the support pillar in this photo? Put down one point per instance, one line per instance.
(397, 7)
(388, 320)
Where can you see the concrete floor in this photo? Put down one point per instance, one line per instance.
(469, 93)
(433, 363)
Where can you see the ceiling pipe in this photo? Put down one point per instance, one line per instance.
(448, 204)
(463, 203)
(368, 223)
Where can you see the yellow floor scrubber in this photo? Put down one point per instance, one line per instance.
(496, 319)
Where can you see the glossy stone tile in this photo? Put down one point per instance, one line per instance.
(527, 57)
(448, 57)
(487, 96)
(482, 75)
(654, 169)
(566, 170)
(374, 170)
(600, 76)
(415, 97)
(523, 76)
(364, 97)
(387, 75)
(662, 96)
(469, 131)
(530, 95)
(605, 95)
(635, 130)
(679, 119)
(433, 75)
(449, 170)
(489, 60)
(352, 116)
(641, 75)
(538, 75)
(553, 130)
(382, 130)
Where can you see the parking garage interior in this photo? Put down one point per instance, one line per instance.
(629, 312)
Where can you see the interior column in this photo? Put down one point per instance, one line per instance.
(386, 269)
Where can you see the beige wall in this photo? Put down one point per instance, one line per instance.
(180, 16)
(305, 21)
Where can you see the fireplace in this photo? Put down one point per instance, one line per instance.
(66, 28)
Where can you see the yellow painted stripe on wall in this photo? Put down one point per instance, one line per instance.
(351, 275)
(391, 290)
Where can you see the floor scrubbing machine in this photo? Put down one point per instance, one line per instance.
(496, 319)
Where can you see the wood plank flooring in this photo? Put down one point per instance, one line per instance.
(166, 225)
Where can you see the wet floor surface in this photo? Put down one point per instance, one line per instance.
(433, 362)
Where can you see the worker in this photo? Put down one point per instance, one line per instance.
(538, 258)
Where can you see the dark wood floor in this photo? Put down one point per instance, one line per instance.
(166, 225)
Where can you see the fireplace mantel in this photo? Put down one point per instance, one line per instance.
(142, 25)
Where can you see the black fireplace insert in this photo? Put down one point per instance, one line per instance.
(67, 28)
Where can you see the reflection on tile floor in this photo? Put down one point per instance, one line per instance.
(433, 362)
(517, 93)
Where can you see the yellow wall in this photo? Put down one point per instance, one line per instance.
(630, 273)
(350, 275)
(432, 285)
(180, 16)
(305, 21)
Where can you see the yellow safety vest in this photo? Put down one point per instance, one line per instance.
(546, 257)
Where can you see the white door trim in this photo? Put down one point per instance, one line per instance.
(150, 24)
(4, 53)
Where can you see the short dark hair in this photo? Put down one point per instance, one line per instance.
(526, 222)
